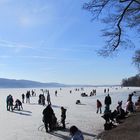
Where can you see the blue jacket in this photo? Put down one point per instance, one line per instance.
(78, 136)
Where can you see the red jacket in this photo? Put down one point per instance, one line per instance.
(99, 104)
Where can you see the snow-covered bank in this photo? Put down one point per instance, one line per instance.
(23, 125)
(128, 130)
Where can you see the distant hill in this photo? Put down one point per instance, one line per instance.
(13, 83)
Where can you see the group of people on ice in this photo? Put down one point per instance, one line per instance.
(51, 123)
(119, 113)
(50, 120)
(10, 103)
(107, 103)
(42, 99)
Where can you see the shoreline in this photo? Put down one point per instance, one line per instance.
(128, 130)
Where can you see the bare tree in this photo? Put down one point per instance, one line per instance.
(136, 59)
(132, 81)
(119, 15)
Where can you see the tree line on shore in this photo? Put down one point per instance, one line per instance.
(132, 81)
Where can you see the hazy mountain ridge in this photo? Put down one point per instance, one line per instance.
(13, 83)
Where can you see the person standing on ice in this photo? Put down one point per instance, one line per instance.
(28, 97)
(76, 133)
(23, 97)
(43, 99)
(47, 117)
(108, 90)
(56, 93)
(108, 101)
(9, 101)
(99, 106)
(63, 116)
(48, 99)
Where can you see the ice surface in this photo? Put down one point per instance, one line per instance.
(26, 124)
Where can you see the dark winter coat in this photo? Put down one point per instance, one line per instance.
(63, 113)
(47, 114)
(107, 100)
(10, 100)
(18, 102)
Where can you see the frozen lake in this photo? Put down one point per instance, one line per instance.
(23, 125)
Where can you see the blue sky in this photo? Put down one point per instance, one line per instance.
(55, 41)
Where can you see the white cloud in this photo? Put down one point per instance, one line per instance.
(38, 57)
(11, 44)
(16, 47)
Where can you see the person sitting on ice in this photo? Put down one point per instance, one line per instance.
(110, 118)
(76, 133)
(18, 105)
(130, 97)
(107, 115)
(138, 102)
(91, 94)
(120, 112)
(130, 107)
(84, 94)
(78, 102)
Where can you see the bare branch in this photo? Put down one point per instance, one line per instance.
(136, 59)
(119, 26)
(119, 15)
(137, 1)
(96, 7)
